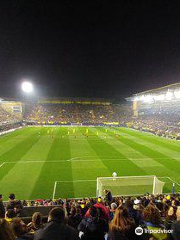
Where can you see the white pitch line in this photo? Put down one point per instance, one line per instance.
(2, 164)
(77, 159)
(83, 180)
(73, 159)
(54, 190)
(173, 181)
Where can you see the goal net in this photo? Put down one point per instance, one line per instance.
(130, 185)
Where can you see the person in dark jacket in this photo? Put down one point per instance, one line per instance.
(12, 203)
(176, 226)
(56, 228)
(93, 227)
(6, 232)
(75, 217)
(108, 197)
(2, 208)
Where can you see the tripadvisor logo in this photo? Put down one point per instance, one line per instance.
(139, 231)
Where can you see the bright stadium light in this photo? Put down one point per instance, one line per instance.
(27, 87)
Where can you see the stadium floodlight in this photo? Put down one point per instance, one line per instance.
(27, 87)
(177, 94)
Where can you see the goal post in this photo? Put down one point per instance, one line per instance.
(129, 185)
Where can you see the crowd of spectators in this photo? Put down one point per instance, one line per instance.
(162, 125)
(110, 218)
(8, 118)
(76, 113)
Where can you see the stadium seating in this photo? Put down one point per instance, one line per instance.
(162, 211)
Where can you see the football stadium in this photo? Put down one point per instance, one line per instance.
(89, 120)
(69, 148)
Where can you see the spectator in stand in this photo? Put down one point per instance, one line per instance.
(11, 204)
(104, 211)
(93, 227)
(9, 215)
(112, 210)
(56, 229)
(176, 226)
(36, 222)
(153, 221)
(75, 217)
(108, 197)
(2, 208)
(20, 230)
(122, 227)
(6, 232)
(170, 215)
(132, 207)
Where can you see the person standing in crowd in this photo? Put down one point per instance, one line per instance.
(2, 208)
(56, 228)
(93, 227)
(112, 210)
(74, 217)
(108, 197)
(12, 202)
(122, 227)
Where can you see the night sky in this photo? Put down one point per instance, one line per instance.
(100, 49)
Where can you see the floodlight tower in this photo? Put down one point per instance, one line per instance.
(27, 89)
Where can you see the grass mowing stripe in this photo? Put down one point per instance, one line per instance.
(107, 153)
(85, 170)
(169, 163)
(103, 149)
(50, 173)
(132, 154)
(12, 135)
(155, 140)
(16, 152)
(168, 152)
(6, 146)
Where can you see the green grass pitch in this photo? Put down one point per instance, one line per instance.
(32, 159)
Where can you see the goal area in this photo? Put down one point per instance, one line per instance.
(129, 185)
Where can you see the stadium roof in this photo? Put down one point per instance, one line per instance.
(164, 88)
(5, 99)
(56, 100)
(171, 88)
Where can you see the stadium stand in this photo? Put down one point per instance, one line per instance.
(75, 113)
(95, 218)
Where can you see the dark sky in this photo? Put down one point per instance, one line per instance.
(100, 49)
